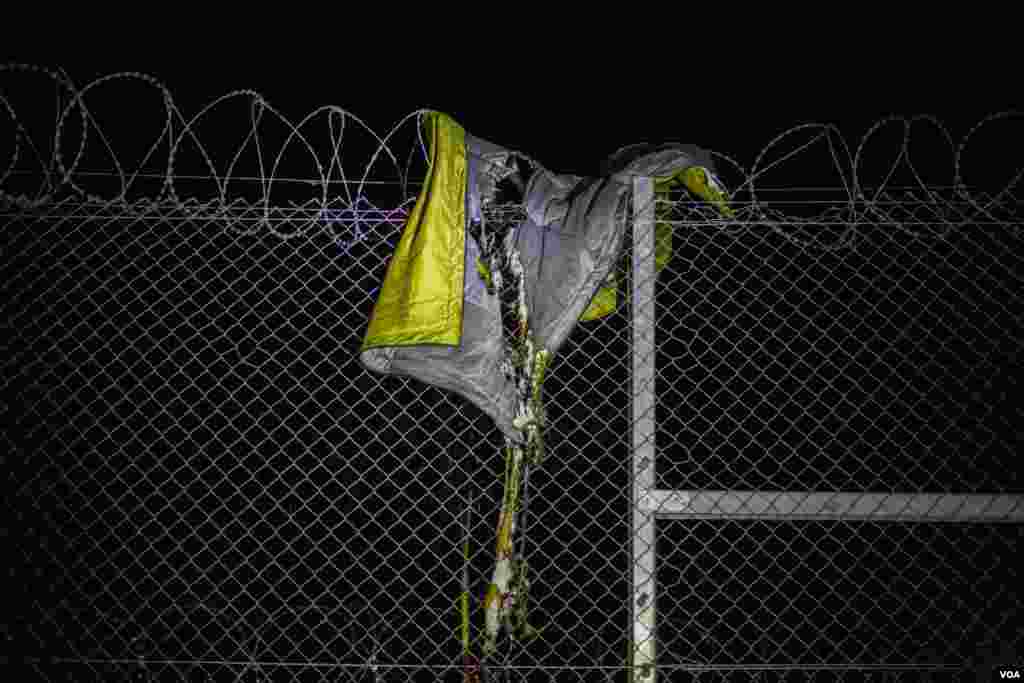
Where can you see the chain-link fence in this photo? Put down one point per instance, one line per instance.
(206, 485)
(837, 430)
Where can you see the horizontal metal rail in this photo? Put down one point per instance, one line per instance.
(817, 505)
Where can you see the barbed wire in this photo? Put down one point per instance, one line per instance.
(65, 161)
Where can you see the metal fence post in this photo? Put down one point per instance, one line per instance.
(642, 643)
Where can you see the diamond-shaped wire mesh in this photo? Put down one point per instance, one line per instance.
(883, 358)
(203, 472)
(890, 362)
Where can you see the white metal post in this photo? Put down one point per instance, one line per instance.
(642, 641)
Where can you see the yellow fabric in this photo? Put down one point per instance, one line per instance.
(604, 301)
(420, 300)
(697, 180)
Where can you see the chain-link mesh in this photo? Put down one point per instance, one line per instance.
(887, 361)
(206, 485)
(850, 365)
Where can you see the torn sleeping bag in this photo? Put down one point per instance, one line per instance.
(434, 319)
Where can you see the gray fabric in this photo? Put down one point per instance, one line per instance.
(569, 242)
(655, 160)
(472, 368)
